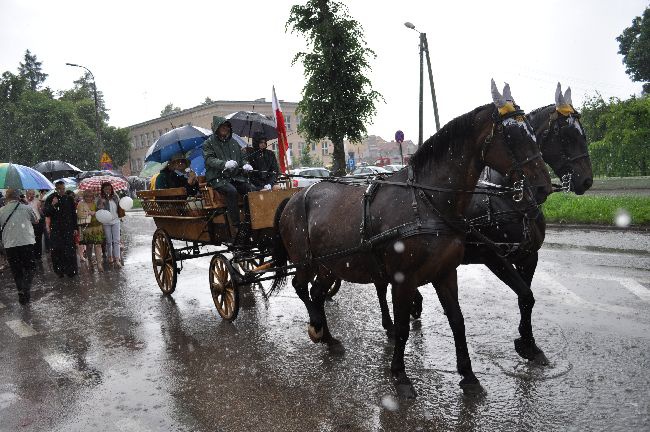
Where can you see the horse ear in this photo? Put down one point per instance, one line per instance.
(567, 96)
(506, 93)
(559, 99)
(498, 100)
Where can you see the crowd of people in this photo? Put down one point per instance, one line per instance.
(65, 225)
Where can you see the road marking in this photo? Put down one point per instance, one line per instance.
(1, 305)
(21, 328)
(557, 288)
(131, 425)
(628, 283)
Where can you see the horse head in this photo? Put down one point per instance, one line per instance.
(563, 141)
(511, 148)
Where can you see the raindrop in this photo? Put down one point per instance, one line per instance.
(399, 277)
(389, 402)
(399, 246)
(623, 219)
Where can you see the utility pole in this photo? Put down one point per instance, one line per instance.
(97, 123)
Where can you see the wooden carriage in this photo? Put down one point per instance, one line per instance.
(201, 223)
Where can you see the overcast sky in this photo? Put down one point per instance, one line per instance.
(145, 54)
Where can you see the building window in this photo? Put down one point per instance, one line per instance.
(141, 141)
(135, 142)
(147, 136)
(134, 166)
(287, 121)
(324, 148)
(160, 132)
(139, 164)
(313, 146)
(275, 147)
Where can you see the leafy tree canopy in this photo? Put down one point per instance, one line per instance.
(338, 99)
(169, 110)
(618, 134)
(634, 45)
(31, 70)
(35, 126)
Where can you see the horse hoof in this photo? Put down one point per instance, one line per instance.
(527, 349)
(540, 359)
(471, 387)
(314, 335)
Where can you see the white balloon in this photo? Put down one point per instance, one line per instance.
(104, 216)
(126, 203)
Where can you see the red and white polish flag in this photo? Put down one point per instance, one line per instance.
(283, 143)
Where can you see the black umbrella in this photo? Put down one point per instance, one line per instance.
(56, 169)
(247, 123)
(85, 174)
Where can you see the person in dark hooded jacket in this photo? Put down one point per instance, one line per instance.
(225, 169)
(264, 163)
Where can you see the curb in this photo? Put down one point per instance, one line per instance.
(597, 227)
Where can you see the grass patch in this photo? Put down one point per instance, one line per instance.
(570, 208)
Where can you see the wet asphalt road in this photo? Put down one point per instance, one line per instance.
(109, 352)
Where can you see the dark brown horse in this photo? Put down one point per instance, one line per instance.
(518, 227)
(408, 231)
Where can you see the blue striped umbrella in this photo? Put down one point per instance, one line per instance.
(179, 140)
(16, 176)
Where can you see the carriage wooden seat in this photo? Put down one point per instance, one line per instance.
(172, 202)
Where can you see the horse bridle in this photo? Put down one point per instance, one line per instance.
(565, 160)
(517, 166)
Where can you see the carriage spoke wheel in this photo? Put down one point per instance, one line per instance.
(223, 287)
(331, 292)
(164, 262)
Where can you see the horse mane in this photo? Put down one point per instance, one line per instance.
(448, 139)
(537, 111)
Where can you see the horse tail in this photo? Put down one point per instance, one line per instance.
(279, 253)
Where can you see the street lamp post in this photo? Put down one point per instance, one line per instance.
(97, 124)
(424, 49)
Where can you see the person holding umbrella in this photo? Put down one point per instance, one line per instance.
(16, 220)
(61, 210)
(225, 169)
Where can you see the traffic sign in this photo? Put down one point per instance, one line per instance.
(399, 136)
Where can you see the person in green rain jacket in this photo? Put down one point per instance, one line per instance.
(225, 169)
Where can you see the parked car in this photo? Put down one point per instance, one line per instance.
(368, 171)
(394, 167)
(308, 176)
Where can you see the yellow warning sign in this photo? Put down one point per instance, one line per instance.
(105, 159)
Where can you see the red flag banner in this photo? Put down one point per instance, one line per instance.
(283, 143)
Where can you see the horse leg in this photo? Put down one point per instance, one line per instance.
(402, 300)
(300, 283)
(520, 284)
(416, 307)
(386, 321)
(447, 290)
(319, 290)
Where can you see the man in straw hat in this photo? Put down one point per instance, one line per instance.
(178, 174)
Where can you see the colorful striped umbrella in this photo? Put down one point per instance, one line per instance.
(22, 177)
(94, 183)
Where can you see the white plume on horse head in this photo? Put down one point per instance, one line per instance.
(507, 95)
(497, 98)
(567, 96)
(559, 99)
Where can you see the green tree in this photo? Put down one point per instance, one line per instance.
(634, 45)
(624, 148)
(338, 99)
(32, 70)
(84, 90)
(207, 101)
(169, 110)
(305, 157)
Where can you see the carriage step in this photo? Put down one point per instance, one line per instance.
(262, 267)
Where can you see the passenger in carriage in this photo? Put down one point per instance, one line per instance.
(225, 168)
(264, 163)
(177, 174)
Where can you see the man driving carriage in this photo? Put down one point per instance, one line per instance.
(225, 169)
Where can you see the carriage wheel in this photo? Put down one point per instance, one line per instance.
(331, 292)
(223, 287)
(164, 261)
